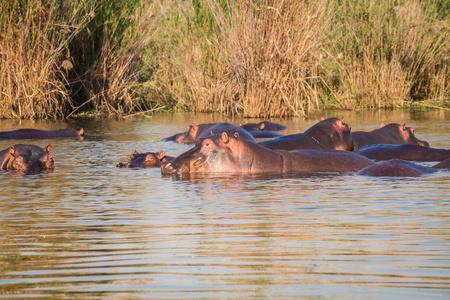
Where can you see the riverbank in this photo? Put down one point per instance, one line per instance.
(252, 58)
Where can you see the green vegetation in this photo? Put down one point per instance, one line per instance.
(252, 57)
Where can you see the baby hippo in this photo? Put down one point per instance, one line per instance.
(23, 158)
(146, 160)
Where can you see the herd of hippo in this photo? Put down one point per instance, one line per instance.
(328, 146)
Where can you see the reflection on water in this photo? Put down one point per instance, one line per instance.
(91, 230)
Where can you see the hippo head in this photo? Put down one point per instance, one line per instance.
(252, 126)
(144, 160)
(30, 158)
(217, 153)
(405, 134)
(332, 133)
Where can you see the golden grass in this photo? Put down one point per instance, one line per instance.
(257, 58)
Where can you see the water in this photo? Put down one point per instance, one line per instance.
(91, 230)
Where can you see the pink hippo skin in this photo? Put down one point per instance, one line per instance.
(234, 155)
(263, 126)
(28, 133)
(393, 133)
(401, 168)
(406, 152)
(329, 134)
(146, 160)
(23, 157)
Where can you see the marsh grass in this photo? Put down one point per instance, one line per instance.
(285, 58)
(384, 54)
(63, 57)
(257, 58)
(31, 81)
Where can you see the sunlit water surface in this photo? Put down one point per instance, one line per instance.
(91, 230)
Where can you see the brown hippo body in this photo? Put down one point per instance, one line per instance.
(22, 157)
(263, 126)
(29, 133)
(234, 155)
(329, 134)
(397, 168)
(406, 152)
(393, 133)
(146, 160)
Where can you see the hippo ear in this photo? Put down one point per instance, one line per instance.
(48, 148)
(225, 138)
(236, 134)
(212, 133)
(261, 126)
(240, 124)
(81, 132)
(12, 150)
(404, 126)
(160, 155)
(382, 124)
(322, 118)
(342, 120)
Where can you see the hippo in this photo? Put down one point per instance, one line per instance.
(328, 134)
(406, 152)
(24, 157)
(29, 133)
(263, 126)
(221, 153)
(196, 132)
(393, 133)
(191, 134)
(400, 168)
(175, 138)
(146, 160)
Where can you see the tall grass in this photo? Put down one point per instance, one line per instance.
(258, 58)
(31, 42)
(383, 54)
(283, 58)
(62, 57)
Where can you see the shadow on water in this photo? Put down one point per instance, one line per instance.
(91, 230)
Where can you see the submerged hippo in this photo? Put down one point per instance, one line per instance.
(23, 157)
(263, 126)
(191, 134)
(393, 133)
(329, 134)
(146, 160)
(405, 152)
(400, 168)
(222, 153)
(29, 133)
(197, 132)
(176, 137)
